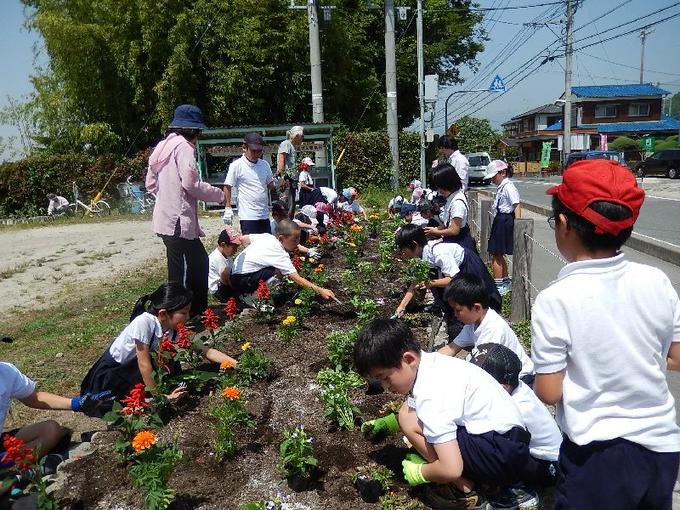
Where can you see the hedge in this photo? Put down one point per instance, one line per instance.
(24, 183)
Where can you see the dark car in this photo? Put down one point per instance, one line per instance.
(579, 156)
(665, 162)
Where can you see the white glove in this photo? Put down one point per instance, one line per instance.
(313, 253)
(228, 216)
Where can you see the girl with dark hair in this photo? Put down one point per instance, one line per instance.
(127, 361)
(454, 217)
(173, 177)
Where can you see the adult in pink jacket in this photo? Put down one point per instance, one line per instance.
(173, 177)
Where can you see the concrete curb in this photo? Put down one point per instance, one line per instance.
(654, 247)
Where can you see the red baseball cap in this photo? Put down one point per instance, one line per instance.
(593, 180)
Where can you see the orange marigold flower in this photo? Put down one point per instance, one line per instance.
(143, 440)
(227, 364)
(232, 393)
(318, 269)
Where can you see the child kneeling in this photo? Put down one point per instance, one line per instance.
(458, 418)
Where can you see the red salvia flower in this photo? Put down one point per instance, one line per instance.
(210, 319)
(231, 309)
(262, 291)
(16, 451)
(135, 402)
(183, 336)
(297, 263)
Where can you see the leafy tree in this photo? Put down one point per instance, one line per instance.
(675, 105)
(623, 143)
(476, 135)
(128, 63)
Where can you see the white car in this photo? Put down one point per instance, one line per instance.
(478, 163)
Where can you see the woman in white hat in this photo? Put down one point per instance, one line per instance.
(506, 209)
(285, 166)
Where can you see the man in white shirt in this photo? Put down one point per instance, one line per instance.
(252, 177)
(448, 146)
(57, 204)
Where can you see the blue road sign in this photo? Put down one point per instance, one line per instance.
(497, 85)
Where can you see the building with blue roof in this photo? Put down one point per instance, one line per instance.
(600, 114)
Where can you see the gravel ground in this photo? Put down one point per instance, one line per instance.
(40, 265)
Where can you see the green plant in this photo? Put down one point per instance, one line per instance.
(523, 331)
(274, 503)
(417, 271)
(385, 253)
(304, 301)
(289, 328)
(366, 309)
(229, 413)
(376, 472)
(22, 461)
(297, 454)
(334, 393)
(340, 345)
(394, 501)
(393, 406)
(151, 471)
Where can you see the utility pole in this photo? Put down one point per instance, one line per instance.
(643, 36)
(391, 90)
(566, 138)
(421, 87)
(315, 62)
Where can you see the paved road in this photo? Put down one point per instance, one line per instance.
(659, 217)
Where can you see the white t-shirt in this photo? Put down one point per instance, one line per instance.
(354, 207)
(13, 384)
(446, 257)
(55, 204)
(462, 166)
(608, 324)
(417, 219)
(450, 392)
(329, 194)
(546, 437)
(507, 197)
(306, 178)
(264, 250)
(251, 181)
(494, 330)
(456, 207)
(145, 329)
(216, 264)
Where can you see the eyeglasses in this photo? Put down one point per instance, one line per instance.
(551, 222)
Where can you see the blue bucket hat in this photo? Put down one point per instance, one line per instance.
(406, 209)
(187, 116)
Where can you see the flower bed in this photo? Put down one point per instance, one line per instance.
(300, 389)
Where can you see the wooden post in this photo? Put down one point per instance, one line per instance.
(521, 270)
(484, 228)
(473, 213)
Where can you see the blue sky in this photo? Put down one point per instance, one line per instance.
(662, 63)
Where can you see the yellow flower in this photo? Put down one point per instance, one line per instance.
(290, 320)
(246, 346)
(302, 259)
(352, 245)
(232, 393)
(143, 440)
(298, 301)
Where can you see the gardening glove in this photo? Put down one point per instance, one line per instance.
(313, 253)
(89, 402)
(228, 216)
(380, 427)
(413, 472)
(415, 458)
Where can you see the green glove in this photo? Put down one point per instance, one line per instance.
(413, 472)
(415, 458)
(380, 427)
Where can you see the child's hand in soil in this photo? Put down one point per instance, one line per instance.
(380, 427)
(176, 393)
(326, 294)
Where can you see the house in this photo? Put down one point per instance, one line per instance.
(631, 110)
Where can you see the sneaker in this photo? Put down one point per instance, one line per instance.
(445, 496)
(515, 498)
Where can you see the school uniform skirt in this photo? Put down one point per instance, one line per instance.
(464, 238)
(501, 237)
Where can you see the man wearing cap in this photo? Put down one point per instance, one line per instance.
(252, 177)
(286, 168)
(173, 177)
(221, 260)
(603, 336)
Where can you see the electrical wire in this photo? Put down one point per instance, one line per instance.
(626, 65)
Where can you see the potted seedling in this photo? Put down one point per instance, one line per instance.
(372, 481)
(298, 463)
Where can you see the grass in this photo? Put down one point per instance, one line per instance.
(11, 271)
(74, 220)
(379, 198)
(80, 327)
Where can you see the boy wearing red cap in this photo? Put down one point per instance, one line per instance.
(601, 351)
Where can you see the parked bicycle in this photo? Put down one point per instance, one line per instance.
(138, 199)
(98, 208)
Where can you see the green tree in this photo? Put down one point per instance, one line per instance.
(675, 105)
(624, 144)
(128, 63)
(476, 135)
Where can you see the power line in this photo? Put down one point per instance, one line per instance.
(485, 9)
(604, 14)
(627, 66)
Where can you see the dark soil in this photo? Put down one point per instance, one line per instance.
(289, 399)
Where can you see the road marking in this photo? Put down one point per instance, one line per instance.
(664, 198)
(656, 239)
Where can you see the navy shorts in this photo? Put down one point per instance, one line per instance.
(255, 227)
(614, 474)
(247, 283)
(494, 458)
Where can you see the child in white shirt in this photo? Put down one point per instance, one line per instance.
(347, 202)
(464, 426)
(220, 261)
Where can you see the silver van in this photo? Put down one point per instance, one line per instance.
(478, 163)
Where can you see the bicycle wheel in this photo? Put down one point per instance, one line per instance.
(101, 208)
